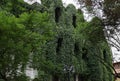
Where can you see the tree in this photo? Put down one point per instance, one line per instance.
(109, 10)
(110, 20)
(92, 44)
(21, 37)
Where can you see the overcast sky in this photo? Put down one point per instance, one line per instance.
(74, 2)
(65, 2)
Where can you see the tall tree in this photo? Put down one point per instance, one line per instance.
(21, 37)
(109, 9)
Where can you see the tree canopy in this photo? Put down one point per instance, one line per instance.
(20, 37)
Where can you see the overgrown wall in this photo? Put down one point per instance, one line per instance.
(70, 48)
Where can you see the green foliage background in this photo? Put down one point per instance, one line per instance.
(30, 36)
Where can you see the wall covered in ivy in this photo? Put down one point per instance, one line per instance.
(76, 43)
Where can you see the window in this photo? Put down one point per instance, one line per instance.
(55, 78)
(57, 14)
(76, 48)
(74, 21)
(104, 54)
(84, 53)
(59, 44)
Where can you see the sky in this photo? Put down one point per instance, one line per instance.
(65, 2)
(32, 1)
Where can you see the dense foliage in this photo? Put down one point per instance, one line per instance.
(21, 37)
(54, 40)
